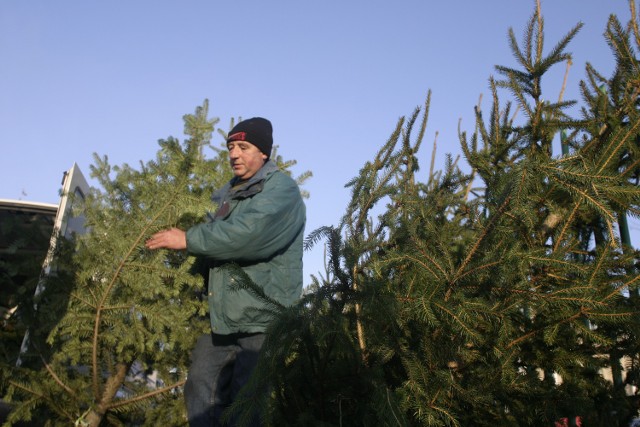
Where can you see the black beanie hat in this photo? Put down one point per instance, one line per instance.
(257, 131)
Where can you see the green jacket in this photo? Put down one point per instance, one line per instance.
(259, 226)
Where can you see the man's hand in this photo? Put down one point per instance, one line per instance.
(173, 238)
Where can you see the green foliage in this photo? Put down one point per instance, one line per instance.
(489, 298)
(115, 326)
(126, 307)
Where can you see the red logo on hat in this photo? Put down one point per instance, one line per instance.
(238, 136)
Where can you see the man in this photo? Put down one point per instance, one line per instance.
(259, 226)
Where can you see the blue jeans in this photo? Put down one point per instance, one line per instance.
(220, 366)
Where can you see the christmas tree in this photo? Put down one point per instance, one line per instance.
(496, 296)
(115, 326)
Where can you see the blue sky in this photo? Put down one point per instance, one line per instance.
(80, 77)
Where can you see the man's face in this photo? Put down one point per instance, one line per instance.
(246, 159)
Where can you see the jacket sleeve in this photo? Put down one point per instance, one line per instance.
(265, 226)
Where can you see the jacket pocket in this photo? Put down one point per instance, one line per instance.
(235, 306)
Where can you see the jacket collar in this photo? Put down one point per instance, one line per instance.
(237, 189)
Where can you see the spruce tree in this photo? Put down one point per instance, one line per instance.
(127, 307)
(116, 325)
(491, 297)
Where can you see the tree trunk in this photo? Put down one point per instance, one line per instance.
(95, 416)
